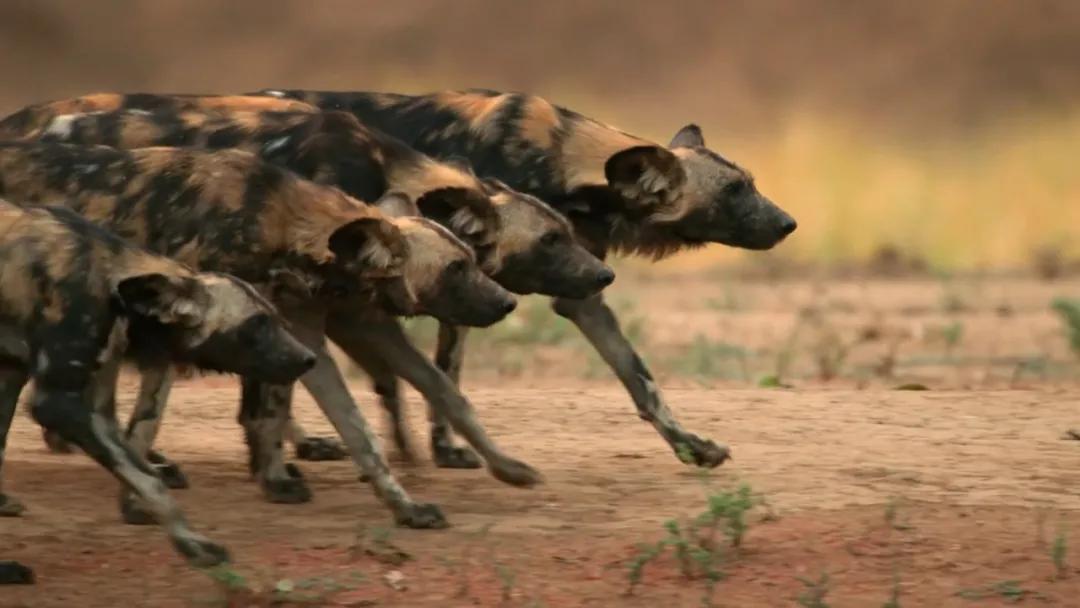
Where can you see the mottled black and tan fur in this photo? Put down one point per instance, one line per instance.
(520, 241)
(77, 299)
(228, 210)
(622, 193)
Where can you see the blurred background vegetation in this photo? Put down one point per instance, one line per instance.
(945, 130)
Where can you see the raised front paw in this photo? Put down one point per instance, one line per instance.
(200, 552)
(421, 516)
(451, 457)
(694, 450)
(515, 473)
(321, 448)
(10, 507)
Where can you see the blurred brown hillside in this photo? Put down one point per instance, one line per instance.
(744, 64)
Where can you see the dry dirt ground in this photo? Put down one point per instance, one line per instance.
(949, 497)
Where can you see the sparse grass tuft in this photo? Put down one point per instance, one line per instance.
(1058, 552)
(1009, 591)
(705, 358)
(814, 592)
(1069, 311)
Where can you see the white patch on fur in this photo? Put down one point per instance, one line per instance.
(464, 221)
(60, 126)
(275, 144)
(274, 93)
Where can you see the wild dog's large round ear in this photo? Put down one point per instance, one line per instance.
(397, 204)
(688, 137)
(371, 246)
(169, 299)
(647, 175)
(464, 212)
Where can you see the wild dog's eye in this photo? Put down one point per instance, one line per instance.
(255, 326)
(550, 238)
(456, 267)
(736, 188)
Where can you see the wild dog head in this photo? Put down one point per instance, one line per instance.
(212, 321)
(669, 197)
(443, 272)
(536, 251)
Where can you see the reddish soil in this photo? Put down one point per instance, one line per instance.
(980, 484)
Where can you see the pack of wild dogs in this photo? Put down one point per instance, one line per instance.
(239, 233)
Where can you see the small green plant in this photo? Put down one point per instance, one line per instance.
(507, 578)
(1058, 551)
(952, 334)
(894, 594)
(814, 592)
(695, 544)
(1069, 311)
(1009, 591)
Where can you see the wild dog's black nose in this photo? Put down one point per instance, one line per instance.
(509, 306)
(605, 277)
(788, 226)
(308, 362)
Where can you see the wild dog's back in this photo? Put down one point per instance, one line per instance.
(29, 121)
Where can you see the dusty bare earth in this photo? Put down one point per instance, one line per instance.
(952, 496)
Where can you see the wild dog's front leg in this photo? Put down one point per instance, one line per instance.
(389, 390)
(12, 380)
(155, 384)
(264, 414)
(599, 325)
(326, 385)
(65, 411)
(387, 340)
(449, 356)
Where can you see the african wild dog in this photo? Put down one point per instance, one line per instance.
(33, 118)
(77, 298)
(521, 242)
(227, 210)
(621, 192)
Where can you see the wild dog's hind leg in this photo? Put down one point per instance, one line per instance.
(597, 321)
(155, 384)
(264, 414)
(65, 410)
(449, 356)
(12, 379)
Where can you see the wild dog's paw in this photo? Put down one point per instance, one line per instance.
(321, 448)
(200, 552)
(10, 507)
(515, 473)
(452, 457)
(56, 443)
(14, 573)
(694, 450)
(421, 516)
(133, 513)
(292, 490)
(171, 475)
